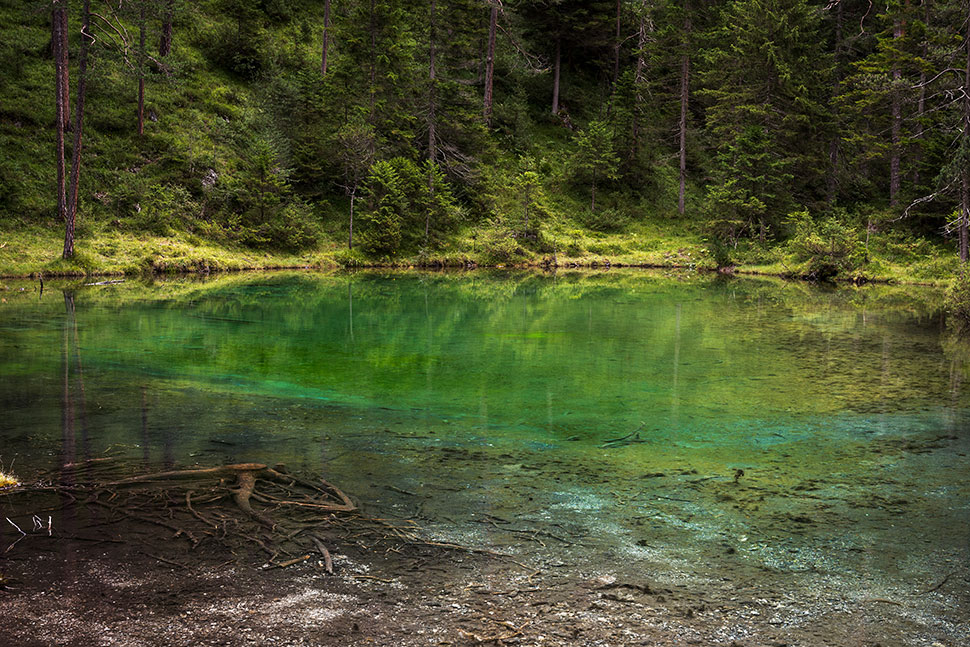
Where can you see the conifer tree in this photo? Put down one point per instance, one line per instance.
(766, 76)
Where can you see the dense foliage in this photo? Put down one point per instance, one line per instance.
(402, 128)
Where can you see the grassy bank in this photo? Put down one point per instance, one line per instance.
(33, 251)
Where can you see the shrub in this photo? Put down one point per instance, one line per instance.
(500, 247)
(829, 246)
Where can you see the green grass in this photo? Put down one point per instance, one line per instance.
(32, 250)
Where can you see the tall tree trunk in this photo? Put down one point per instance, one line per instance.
(965, 173)
(832, 185)
(527, 200)
(432, 117)
(165, 41)
(372, 28)
(616, 47)
(917, 155)
(555, 77)
(60, 50)
(432, 82)
(639, 80)
(897, 123)
(964, 216)
(58, 44)
(350, 235)
(141, 70)
(490, 63)
(82, 77)
(592, 199)
(684, 100)
(326, 37)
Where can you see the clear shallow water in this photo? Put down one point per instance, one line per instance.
(456, 399)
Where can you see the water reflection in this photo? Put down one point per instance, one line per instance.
(501, 391)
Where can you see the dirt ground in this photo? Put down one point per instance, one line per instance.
(148, 589)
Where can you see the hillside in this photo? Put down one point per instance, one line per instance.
(784, 136)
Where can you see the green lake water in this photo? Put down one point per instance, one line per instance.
(459, 399)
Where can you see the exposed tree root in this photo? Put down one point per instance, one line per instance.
(229, 506)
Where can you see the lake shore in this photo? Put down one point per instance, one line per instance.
(150, 591)
(35, 253)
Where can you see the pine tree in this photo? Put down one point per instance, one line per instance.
(765, 79)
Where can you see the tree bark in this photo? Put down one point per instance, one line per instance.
(638, 81)
(373, 60)
(965, 217)
(616, 47)
(82, 75)
(58, 44)
(141, 70)
(921, 102)
(897, 123)
(432, 126)
(432, 75)
(965, 174)
(350, 235)
(165, 41)
(326, 38)
(490, 63)
(832, 185)
(555, 78)
(60, 50)
(684, 104)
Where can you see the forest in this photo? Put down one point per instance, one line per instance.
(820, 139)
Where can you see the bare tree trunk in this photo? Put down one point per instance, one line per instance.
(490, 63)
(60, 50)
(592, 200)
(684, 101)
(432, 132)
(326, 37)
(82, 76)
(165, 41)
(58, 44)
(921, 102)
(527, 200)
(639, 80)
(350, 236)
(373, 59)
(141, 70)
(965, 217)
(897, 122)
(616, 47)
(555, 78)
(832, 185)
(965, 175)
(432, 75)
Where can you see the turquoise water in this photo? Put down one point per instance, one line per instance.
(498, 393)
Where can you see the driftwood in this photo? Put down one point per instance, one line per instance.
(247, 475)
(287, 517)
(632, 438)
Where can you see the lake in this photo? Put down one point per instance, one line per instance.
(700, 427)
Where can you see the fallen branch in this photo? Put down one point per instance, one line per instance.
(290, 562)
(938, 586)
(516, 631)
(327, 560)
